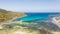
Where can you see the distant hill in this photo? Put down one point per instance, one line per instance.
(7, 15)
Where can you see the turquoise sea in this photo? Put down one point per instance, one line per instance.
(37, 16)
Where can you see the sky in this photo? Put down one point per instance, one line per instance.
(31, 5)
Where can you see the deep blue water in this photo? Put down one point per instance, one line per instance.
(36, 16)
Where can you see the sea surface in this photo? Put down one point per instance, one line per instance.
(38, 16)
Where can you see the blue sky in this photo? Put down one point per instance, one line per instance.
(31, 5)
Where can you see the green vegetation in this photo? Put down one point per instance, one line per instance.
(7, 15)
